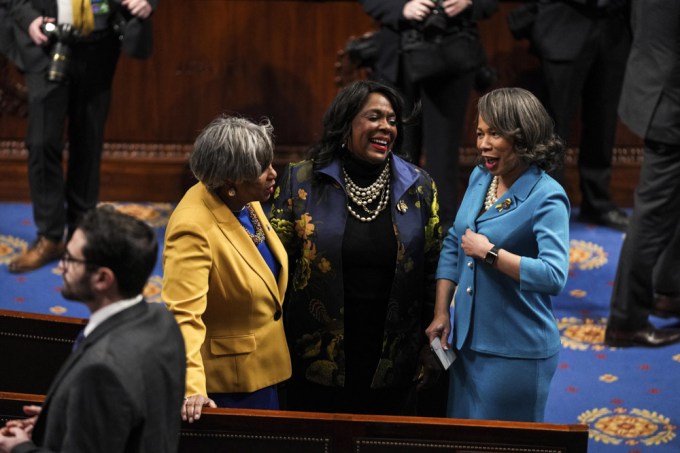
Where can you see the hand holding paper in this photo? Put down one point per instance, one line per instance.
(446, 357)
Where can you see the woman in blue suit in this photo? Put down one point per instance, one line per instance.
(507, 253)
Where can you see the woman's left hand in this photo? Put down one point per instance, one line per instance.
(475, 245)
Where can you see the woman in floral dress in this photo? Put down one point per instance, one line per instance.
(361, 229)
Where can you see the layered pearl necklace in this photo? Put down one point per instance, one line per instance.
(363, 196)
(491, 194)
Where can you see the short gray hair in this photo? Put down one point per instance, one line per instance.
(232, 149)
(517, 115)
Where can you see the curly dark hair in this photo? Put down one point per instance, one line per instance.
(519, 117)
(122, 243)
(337, 121)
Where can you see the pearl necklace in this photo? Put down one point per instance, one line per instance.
(491, 194)
(363, 196)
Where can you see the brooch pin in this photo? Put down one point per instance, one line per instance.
(401, 207)
(505, 205)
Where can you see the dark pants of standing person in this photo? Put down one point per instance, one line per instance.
(595, 80)
(651, 250)
(84, 100)
(439, 134)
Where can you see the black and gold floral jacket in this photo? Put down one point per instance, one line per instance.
(309, 214)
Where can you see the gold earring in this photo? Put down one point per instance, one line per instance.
(231, 192)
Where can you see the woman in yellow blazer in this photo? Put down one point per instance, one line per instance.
(225, 272)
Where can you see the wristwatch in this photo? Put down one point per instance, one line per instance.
(491, 256)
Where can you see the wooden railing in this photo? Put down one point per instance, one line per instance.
(33, 349)
(241, 430)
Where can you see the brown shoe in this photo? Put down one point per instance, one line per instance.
(39, 254)
(666, 306)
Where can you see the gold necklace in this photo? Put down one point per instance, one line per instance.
(258, 237)
(491, 194)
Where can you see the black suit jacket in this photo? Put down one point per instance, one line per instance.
(651, 87)
(121, 391)
(389, 14)
(562, 28)
(31, 58)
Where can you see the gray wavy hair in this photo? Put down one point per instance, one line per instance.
(232, 149)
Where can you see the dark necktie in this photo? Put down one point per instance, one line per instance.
(79, 339)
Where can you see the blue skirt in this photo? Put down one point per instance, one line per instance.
(266, 398)
(489, 387)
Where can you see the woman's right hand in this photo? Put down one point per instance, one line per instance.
(440, 327)
(417, 10)
(193, 405)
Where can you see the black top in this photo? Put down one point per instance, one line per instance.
(369, 254)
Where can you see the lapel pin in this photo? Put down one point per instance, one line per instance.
(401, 206)
(505, 205)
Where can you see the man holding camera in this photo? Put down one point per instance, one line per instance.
(443, 93)
(68, 50)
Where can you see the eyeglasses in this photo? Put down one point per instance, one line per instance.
(67, 258)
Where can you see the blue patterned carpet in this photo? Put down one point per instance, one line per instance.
(39, 291)
(629, 397)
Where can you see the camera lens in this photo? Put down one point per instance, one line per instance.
(435, 22)
(57, 69)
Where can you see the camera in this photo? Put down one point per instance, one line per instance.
(362, 51)
(436, 21)
(62, 35)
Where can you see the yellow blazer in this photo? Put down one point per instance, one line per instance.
(224, 297)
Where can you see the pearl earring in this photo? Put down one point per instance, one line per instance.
(231, 192)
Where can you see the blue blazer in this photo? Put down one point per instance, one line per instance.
(493, 313)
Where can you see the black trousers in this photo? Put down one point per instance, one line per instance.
(83, 101)
(594, 81)
(650, 255)
(444, 103)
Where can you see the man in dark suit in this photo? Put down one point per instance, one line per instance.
(583, 46)
(650, 256)
(121, 389)
(83, 97)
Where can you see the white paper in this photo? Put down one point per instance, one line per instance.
(446, 357)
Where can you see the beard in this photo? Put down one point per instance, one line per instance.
(78, 291)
